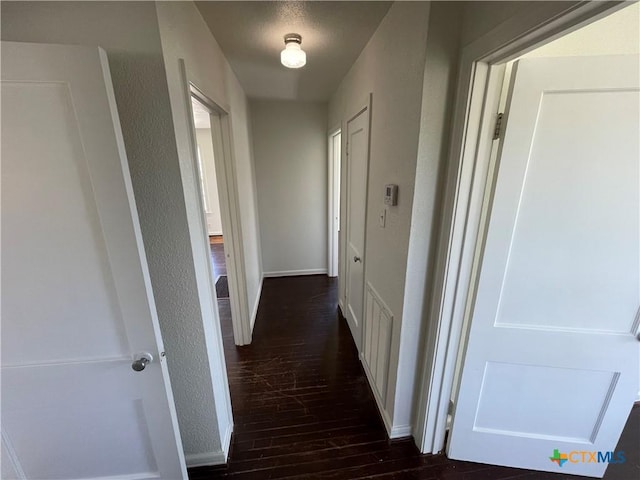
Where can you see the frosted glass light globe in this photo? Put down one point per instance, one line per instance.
(293, 56)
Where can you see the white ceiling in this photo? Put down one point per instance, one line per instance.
(251, 37)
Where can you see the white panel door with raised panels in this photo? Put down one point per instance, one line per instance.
(77, 306)
(357, 168)
(551, 364)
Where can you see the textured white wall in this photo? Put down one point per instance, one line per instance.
(392, 67)
(205, 144)
(184, 35)
(129, 33)
(290, 152)
(438, 91)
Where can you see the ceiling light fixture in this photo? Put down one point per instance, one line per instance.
(293, 56)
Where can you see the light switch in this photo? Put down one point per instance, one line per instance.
(383, 218)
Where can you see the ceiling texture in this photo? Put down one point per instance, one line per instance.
(251, 35)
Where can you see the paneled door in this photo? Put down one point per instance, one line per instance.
(85, 388)
(357, 173)
(551, 365)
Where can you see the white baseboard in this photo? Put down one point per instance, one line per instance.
(383, 413)
(400, 431)
(226, 442)
(254, 311)
(207, 458)
(393, 431)
(294, 273)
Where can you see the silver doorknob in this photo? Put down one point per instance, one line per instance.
(357, 259)
(140, 364)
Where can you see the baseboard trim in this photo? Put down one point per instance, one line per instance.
(207, 458)
(226, 442)
(401, 431)
(256, 303)
(295, 273)
(383, 413)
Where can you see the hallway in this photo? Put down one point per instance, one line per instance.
(303, 409)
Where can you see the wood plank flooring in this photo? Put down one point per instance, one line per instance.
(218, 261)
(303, 409)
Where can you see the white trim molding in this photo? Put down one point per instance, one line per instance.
(207, 458)
(256, 303)
(226, 441)
(296, 273)
(212, 458)
(221, 136)
(333, 200)
(386, 419)
(401, 431)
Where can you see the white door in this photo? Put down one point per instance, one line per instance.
(357, 168)
(77, 307)
(551, 364)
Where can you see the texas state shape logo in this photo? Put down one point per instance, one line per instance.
(559, 458)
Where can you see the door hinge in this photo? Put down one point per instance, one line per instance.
(498, 130)
(347, 149)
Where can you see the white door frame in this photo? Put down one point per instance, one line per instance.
(223, 153)
(333, 200)
(476, 104)
(229, 204)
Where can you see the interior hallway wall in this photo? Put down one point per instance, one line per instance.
(391, 67)
(290, 145)
(129, 33)
(439, 84)
(185, 35)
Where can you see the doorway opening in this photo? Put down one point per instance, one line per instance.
(210, 201)
(335, 150)
(498, 94)
(216, 185)
(615, 34)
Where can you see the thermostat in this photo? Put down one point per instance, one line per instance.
(391, 195)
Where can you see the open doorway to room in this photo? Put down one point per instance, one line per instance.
(211, 134)
(210, 198)
(553, 210)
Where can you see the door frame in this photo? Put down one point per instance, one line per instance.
(333, 202)
(229, 205)
(224, 161)
(365, 104)
(480, 76)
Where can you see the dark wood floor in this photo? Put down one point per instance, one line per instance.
(303, 409)
(217, 260)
